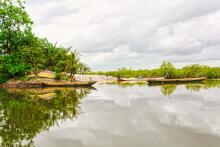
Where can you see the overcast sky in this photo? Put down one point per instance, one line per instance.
(111, 34)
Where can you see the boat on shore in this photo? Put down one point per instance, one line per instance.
(137, 79)
(39, 84)
(182, 80)
(131, 79)
(67, 84)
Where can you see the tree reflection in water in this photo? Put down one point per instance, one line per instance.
(25, 113)
(207, 85)
(168, 90)
(194, 87)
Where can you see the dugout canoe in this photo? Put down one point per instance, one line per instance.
(67, 84)
(182, 80)
(131, 79)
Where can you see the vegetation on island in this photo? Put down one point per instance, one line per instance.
(22, 52)
(167, 70)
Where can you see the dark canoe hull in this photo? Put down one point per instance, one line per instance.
(170, 81)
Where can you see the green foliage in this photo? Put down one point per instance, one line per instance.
(194, 70)
(22, 52)
(128, 73)
(57, 73)
(55, 56)
(12, 65)
(72, 64)
(3, 78)
(14, 24)
(83, 68)
(24, 78)
(212, 72)
(64, 77)
(15, 27)
(34, 55)
(166, 70)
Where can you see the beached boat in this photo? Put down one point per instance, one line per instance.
(131, 79)
(67, 84)
(137, 79)
(183, 80)
(39, 84)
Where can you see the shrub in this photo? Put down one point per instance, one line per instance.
(168, 70)
(57, 73)
(3, 78)
(12, 66)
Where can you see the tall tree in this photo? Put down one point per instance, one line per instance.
(15, 24)
(22, 52)
(168, 70)
(83, 68)
(72, 64)
(33, 55)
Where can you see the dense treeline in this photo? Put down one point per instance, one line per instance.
(21, 52)
(168, 71)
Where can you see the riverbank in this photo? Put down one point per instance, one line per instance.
(47, 79)
(48, 75)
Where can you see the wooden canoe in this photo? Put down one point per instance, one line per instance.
(137, 79)
(183, 80)
(131, 79)
(41, 84)
(67, 84)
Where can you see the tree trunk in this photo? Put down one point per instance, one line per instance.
(72, 78)
(35, 74)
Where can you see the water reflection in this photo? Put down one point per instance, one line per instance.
(117, 116)
(25, 113)
(169, 89)
(125, 84)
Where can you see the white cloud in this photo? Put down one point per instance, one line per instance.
(132, 32)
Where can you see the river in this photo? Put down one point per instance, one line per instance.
(112, 115)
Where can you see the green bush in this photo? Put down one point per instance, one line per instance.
(168, 70)
(23, 78)
(57, 73)
(3, 78)
(12, 66)
(192, 71)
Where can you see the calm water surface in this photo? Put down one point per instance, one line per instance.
(112, 115)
